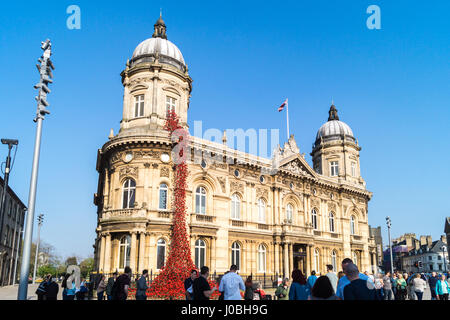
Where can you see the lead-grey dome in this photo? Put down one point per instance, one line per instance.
(334, 129)
(159, 47)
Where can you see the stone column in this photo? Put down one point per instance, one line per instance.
(141, 251)
(309, 258)
(102, 253)
(152, 252)
(286, 259)
(147, 251)
(107, 263)
(213, 254)
(133, 252)
(277, 257)
(290, 257)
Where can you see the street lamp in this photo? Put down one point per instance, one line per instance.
(40, 220)
(444, 248)
(45, 70)
(388, 222)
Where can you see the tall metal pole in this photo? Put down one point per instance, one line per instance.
(388, 222)
(45, 72)
(40, 219)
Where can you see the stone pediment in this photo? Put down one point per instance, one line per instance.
(297, 165)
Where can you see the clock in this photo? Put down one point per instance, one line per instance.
(128, 157)
(165, 157)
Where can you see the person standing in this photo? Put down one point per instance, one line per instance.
(248, 294)
(101, 287)
(332, 277)
(345, 281)
(189, 293)
(141, 286)
(122, 284)
(52, 289)
(357, 289)
(379, 286)
(418, 285)
(109, 286)
(231, 284)
(401, 287)
(323, 290)
(394, 286)
(81, 292)
(387, 287)
(442, 288)
(41, 291)
(299, 288)
(432, 280)
(282, 292)
(202, 290)
(311, 280)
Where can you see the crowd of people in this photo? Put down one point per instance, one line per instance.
(349, 284)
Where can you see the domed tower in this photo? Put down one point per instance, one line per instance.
(155, 80)
(336, 151)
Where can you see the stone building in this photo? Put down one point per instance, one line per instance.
(11, 237)
(376, 234)
(427, 257)
(268, 216)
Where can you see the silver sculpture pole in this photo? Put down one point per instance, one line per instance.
(40, 220)
(388, 222)
(44, 68)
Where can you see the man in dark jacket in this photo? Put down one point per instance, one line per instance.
(110, 285)
(358, 289)
(52, 289)
(123, 284)
(41, 291)
(189, 293)
(432, 282)
(141, 286)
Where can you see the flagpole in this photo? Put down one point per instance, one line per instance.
(287, 118)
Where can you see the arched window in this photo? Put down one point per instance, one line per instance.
(352, 225)
(331, 218)
(236, 254)
(200, 253)
(262, 211)
(163, 192)
(316, 260)
(289, 212)
(160, 253)
(235, 207)
(200, 200)
(124, 251)
(261, 258)
(314, 219)
(333, 260)
(129, 194)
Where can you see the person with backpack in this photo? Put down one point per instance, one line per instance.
(121, 285)
(52, 289)
(109, 286)
(41, 291)
(282, 292)
(141, 286)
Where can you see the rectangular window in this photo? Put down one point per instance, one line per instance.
(334, 166)
(139, 106)
(170, 104)
(353, 169)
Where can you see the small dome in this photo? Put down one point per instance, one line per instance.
(334, 129)
(159, 47)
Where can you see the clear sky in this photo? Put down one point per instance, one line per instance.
(390, 85)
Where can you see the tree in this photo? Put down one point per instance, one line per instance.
(86, 266)
(71, 261)
(45, 270)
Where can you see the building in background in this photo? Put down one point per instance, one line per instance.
(428, 257)
(375, 233)
(447, 233)
(11, 237)
(238, 210)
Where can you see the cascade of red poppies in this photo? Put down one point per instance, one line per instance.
(169, 284)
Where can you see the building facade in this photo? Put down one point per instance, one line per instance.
(375, 233)
(268, 216)
(11, 237)
(428, 257)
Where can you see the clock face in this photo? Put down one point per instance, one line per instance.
(128, 157)
(165, 158)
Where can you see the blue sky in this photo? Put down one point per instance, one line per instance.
(390, 85)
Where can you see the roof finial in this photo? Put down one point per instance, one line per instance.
(333, 113)
(160, 28)
(332, 101)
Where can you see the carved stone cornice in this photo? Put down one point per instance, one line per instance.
(128, 171)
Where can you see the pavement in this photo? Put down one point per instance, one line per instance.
(10, 292)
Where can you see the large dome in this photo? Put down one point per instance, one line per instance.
(159, 47)
(334, 129)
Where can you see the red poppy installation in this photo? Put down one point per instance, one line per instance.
(169, 284)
